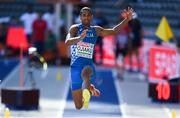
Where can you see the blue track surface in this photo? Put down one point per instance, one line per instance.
(105, 83)
(6, 66)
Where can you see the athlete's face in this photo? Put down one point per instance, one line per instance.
(86, 17)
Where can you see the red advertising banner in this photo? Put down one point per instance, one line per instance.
(162, 62)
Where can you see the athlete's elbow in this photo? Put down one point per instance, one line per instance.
(115, 31)
(67, 43)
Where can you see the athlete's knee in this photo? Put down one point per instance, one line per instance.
(87, 72)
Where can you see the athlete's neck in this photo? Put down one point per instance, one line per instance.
(86, 26)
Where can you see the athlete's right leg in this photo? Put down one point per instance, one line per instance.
(86, 76)
(76, 86)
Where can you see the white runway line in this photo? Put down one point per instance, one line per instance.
(63, 102)
(120, 98)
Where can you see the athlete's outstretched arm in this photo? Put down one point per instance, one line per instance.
(72, 37)
(126, 14)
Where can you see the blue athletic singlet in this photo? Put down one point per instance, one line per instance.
(81, 56)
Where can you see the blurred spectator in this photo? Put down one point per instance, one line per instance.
(3, 31)
(121, 50)
(135, 40)
(62, 48)
(50, 42)
(49, 17)
(99, 20)
(27, 20)
(39, 33)
(50, 47)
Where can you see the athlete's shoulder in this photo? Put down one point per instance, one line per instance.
(74, 28)
(97, 27)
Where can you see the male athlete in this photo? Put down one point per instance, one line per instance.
(82, 38)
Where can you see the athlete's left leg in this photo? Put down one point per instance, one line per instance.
(88, 75)
(88, 88)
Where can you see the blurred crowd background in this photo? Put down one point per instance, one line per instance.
(46, 23)
(139, 55)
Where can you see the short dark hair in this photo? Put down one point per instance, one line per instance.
(85, 9)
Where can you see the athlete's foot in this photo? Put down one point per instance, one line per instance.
(86, 97)
(94, 91)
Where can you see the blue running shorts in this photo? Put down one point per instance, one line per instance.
(76, 79)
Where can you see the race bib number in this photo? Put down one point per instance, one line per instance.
(85, 50)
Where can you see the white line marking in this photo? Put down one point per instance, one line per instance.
(122, 105)
(63, 101)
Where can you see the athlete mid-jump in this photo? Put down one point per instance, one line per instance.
(81, 39)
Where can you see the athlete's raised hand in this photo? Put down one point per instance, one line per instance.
(83, 34)
(128, 13)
